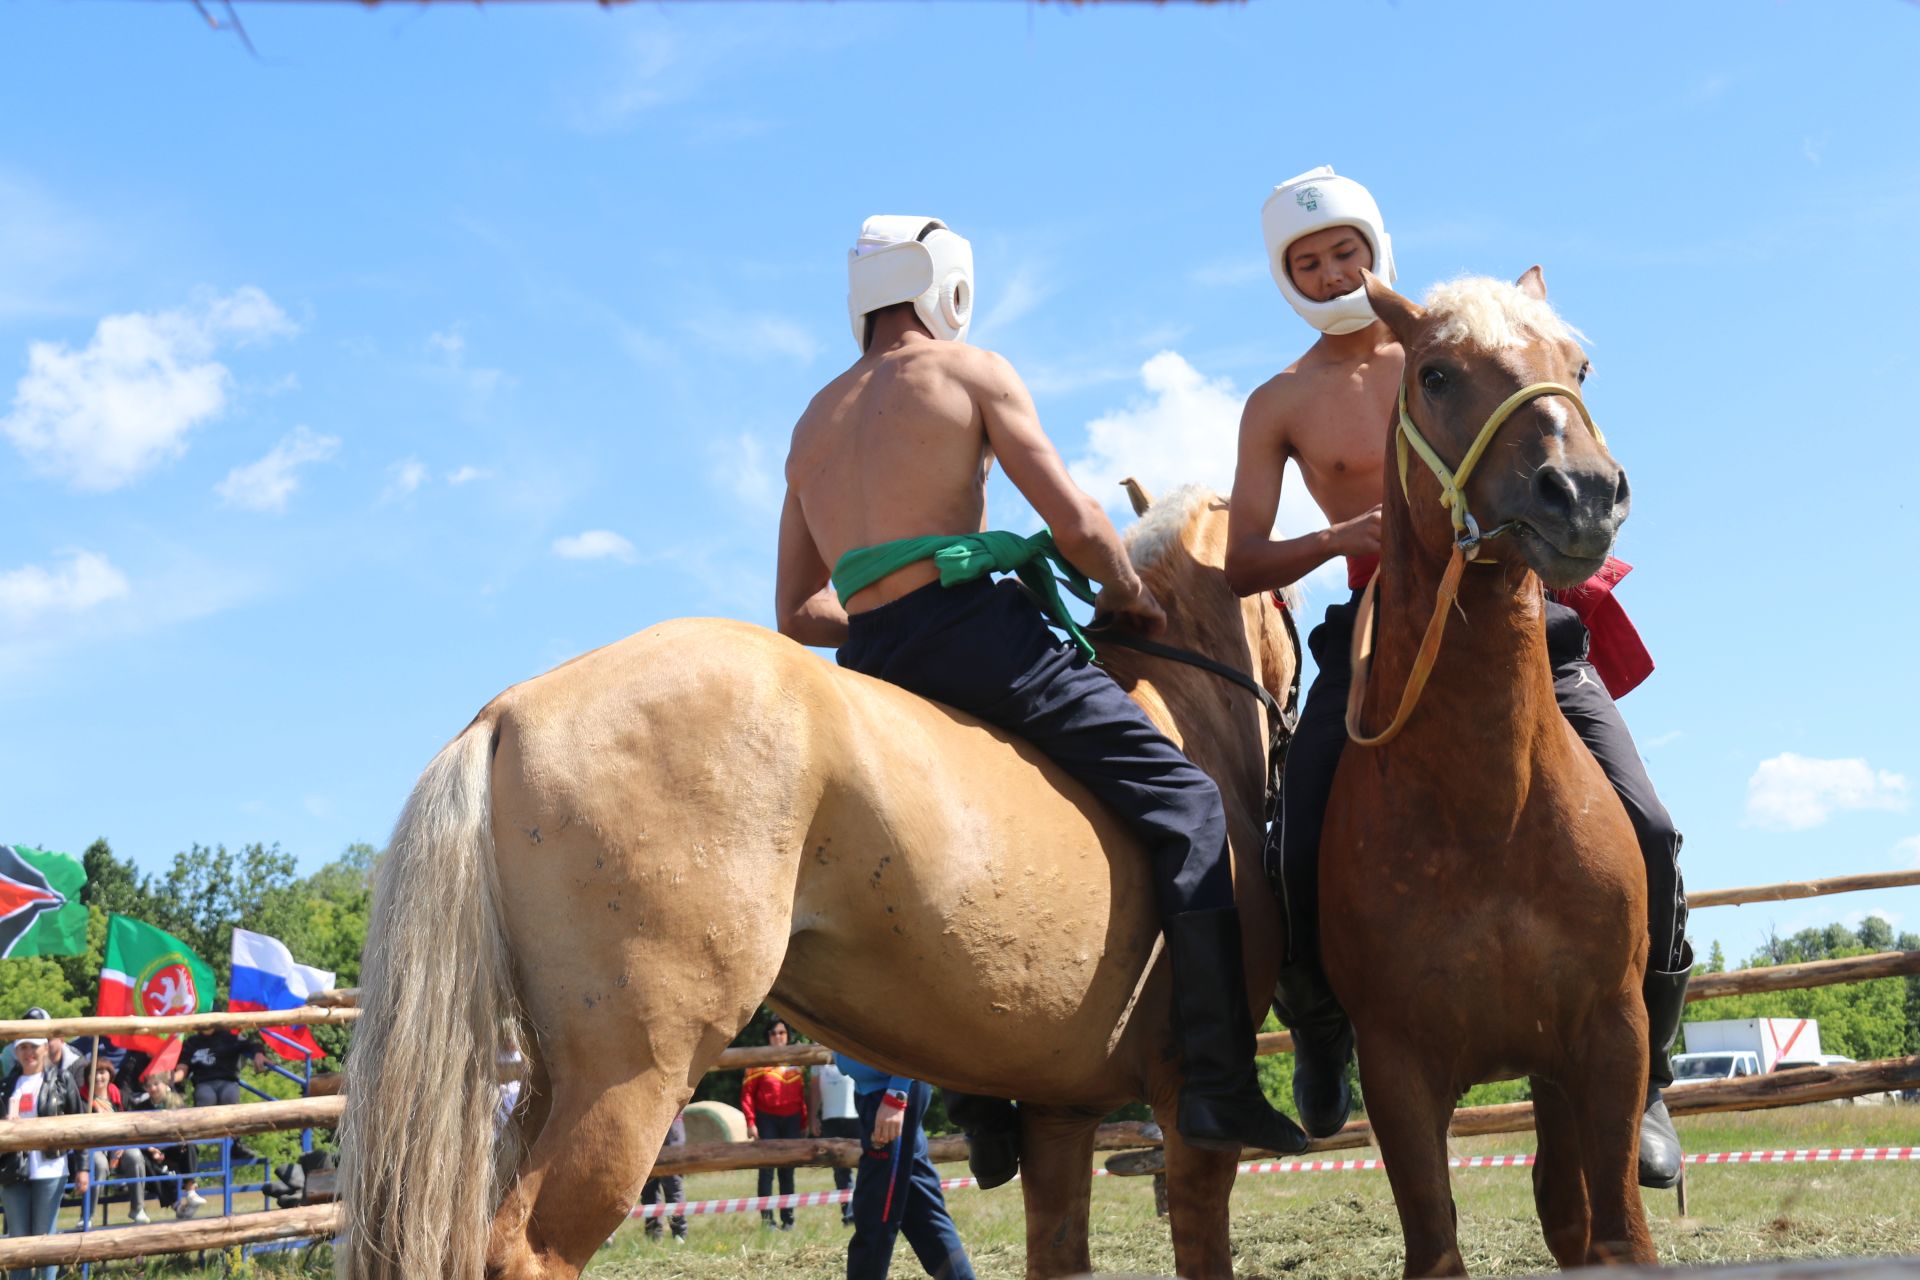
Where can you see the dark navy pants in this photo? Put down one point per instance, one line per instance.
(984, 649)
(1584, 700)
(778, 1127)
(897, 1191)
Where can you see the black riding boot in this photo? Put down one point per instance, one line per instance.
(1322, 1046)
(1666, 996)
(992, 1126)
(1221, 1106)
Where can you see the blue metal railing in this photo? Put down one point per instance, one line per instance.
(97, 1191)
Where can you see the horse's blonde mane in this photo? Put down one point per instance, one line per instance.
(1165, 523)
(1492, 315)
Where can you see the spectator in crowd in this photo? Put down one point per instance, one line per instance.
(898, 1190)
(774, 1101)
(32, 1182)
(831, 1092)
(671, 1189)
(211, 1061)
(102, 1096)
(183, 1158)
(59, 1050)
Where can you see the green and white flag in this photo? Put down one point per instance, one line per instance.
(40, 911)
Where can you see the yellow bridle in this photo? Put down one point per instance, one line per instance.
(1467, 538)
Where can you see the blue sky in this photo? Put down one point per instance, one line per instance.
(345, 385)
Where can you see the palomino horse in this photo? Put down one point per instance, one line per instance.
(617, 862)
(1484, 895)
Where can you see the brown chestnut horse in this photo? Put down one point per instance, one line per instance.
(1484, 897)
(617, 862)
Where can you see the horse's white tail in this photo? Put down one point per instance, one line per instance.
(423, 1070)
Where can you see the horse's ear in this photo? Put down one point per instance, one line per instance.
(1398, 313)
(1533, 283)
(1137, 495)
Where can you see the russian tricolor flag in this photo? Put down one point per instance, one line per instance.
(265, 977)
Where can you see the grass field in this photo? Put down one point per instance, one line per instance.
(1309, 1226)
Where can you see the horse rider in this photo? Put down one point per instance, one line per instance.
(885, 554)
(1330, 411)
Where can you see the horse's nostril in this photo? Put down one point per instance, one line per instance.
(1622, 492)
(1555, 490)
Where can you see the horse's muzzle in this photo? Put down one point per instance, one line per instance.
(1573, 517)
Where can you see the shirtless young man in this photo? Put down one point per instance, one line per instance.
(898, 448)
(1330, 411)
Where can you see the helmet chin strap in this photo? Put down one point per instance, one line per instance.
(1467, 538)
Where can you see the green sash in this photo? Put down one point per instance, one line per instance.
(965, 557)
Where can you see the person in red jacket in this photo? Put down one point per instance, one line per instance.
(774, 1100)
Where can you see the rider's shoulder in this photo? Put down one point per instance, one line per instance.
(1276, 399)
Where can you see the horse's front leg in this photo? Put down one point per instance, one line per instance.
(1609, 1092)
(1410, 1105)
(1559, 1174)
(1056, 1178)
(1199, 1184)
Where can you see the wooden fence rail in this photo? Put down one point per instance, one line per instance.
(307, 1016)
(1802, 889)
(187, 1124)
(322, 1221)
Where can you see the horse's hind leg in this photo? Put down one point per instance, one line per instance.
(1056, 1179)
(629, 1003)
(1409, 1109)
(1199, 1184)
(1559, 1174)
(1608, 1094)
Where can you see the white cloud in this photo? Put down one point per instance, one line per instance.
(1908, 852)
(32, 593)
(267, 484)
(594, 544)
(466, 475)
(745, 470)
(408, 475)
(1793, 792)
(101, 416)
(1666, 739)
(1186, 429)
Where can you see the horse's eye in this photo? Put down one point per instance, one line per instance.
(1585, 369)
(1434, 379)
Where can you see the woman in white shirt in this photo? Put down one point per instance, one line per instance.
(31, 1182)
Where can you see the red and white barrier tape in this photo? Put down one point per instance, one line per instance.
(1805, 1155)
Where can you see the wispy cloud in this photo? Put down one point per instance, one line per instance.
(758, 331)
(466, 475)
(1242, 268)
(404, 479)
(32, 593)
(101, 416)
(1795, 793)
(266, 485)
(743, 467)
(1907, 852)
(594, 544)
(477, 384)
(1666, 739)
(1014, 298)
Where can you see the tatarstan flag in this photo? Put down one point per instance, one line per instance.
(150, 973)
(40, 911)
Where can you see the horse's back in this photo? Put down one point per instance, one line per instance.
(935, 878)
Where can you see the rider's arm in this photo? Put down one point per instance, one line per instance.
(1255, 560)
(1080, 528)
(804, 602)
